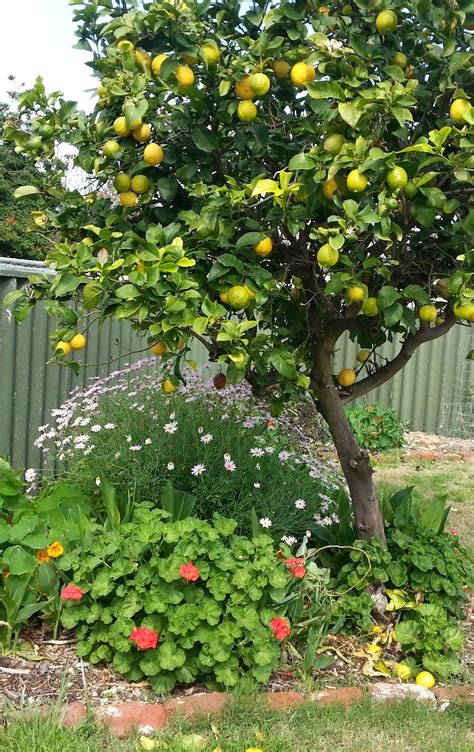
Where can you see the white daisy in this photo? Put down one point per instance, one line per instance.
(230, 466)
(256, 485)
(207, 438)
(135, 448)
(198, 469)
(289, 540)
(269, 449)
(148, 441)
(265, 522)
(109, 426)
(257, 452)
(300, 503)
(96, 428)
(171, 427)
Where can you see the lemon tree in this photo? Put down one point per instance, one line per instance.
(285, 175)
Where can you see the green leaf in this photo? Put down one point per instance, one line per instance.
(168, 187)
(127, 292)
(301, 162)
(109, 497)
(325, 90)
(25, 190)
(248, 238)
(415, 292)
(92, 294)
(204, 139)
(65, 284)
(350, 113)
(284, 362)
(18, 561)
(387, 296)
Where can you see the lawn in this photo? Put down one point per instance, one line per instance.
(366, 727)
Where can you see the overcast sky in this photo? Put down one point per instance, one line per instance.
(37, 39)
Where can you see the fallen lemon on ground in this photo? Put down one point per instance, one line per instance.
(425, 679)
(402, 671)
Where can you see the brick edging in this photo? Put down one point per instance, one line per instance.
(124, 719)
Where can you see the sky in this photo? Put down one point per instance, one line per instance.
(37, 39)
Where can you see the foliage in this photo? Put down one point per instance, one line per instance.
(212, 628)
(142, 438)
(376, 428)
(33, 535)
(425, 573)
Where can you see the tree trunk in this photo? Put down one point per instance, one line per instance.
(354, 460)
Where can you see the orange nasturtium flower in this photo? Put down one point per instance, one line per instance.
(42, 556)
(55, 550)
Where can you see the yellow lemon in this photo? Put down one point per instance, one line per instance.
(125, 44)
(62, 348)
(386, 22)
(140, 184)
(333, 143)
(122, 182)
(246, 111)
(128, 199)
(78, 342)
(157, 62)
(102, 91)
(238, 297)
(425, 679)
(142, 133)
(327, 256)
(243, 90)
(362, 356)
(185, 76)
(355, 294)
(464, 311)
(143, 59)
(427, 313)
(302, 74)
(168, 387)
(399, 59)
(396, 178)
(189, 59)
(111, 148)
(210, 52)
(356, 181)
(459, 108)
(153, 154)
(158, 348)
(347, 377)
(120, 126)
(402, 671)
(223, 296)
(329, 188)
(263, 247)
(259, 83)
(280, 68)
(370, 307)
(87, 241)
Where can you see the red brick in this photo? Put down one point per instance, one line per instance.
(73, 713)
(198, 705)
(283, 700)
(345, 696)
(124, 718)
(455, 694)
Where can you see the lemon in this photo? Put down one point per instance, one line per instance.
(62, 348)
(189, 59)
(78, 342)
(153, 154)
(168, 387)
(158, 348)
(333, 143)
(399, 59)
(263, 247)
(143, 59)
(396, 178)
(223, 296)
(280, 68)
(459, 108)
(427, 313)
(402, 671)
(243, 90)
(140, 184)
(120, 127)
(347, 377)
(111, 148)
(125, 44)
(329, 188)
(157, 62)
(122, 182)
(259, 83)
(251, 292)
(362, 356)
(246, 111)
(411, 189)
(185, 76)
(327, 256)
(439, 321)
(355, 294)
(238, 297)
(370, 307)
(87, 241)
(102, 91)
(302, 74)
(128, 199)
(142, 133)
(210, 52)
(356, 181)
(425, 679)
(386, 22)
(464, 311)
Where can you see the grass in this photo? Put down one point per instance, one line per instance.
(366, 727)
(432, 479)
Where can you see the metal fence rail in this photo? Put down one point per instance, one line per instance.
(432, 392)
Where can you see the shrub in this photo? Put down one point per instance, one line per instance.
(222, 446)
(376, 428)
(177, 601)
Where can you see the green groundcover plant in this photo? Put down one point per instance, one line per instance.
(223, 446)
(376, 428)
(177, 601)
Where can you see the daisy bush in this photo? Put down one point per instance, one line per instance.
(223, 446)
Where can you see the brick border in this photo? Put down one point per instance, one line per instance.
(124, 718)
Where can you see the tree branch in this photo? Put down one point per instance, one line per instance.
(386, 372)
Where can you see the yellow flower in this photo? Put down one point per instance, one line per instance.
(253, 749)
(42, 556)
(55, 550)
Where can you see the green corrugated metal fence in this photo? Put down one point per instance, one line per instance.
(432, 392)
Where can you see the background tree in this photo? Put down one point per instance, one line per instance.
(286, 175)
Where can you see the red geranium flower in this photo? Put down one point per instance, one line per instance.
(280, 628)
(296, 567)
(189, 572)
(145, 638)
(71, 593)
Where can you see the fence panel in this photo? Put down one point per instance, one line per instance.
(434, 392)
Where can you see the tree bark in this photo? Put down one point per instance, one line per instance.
(354, 460)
